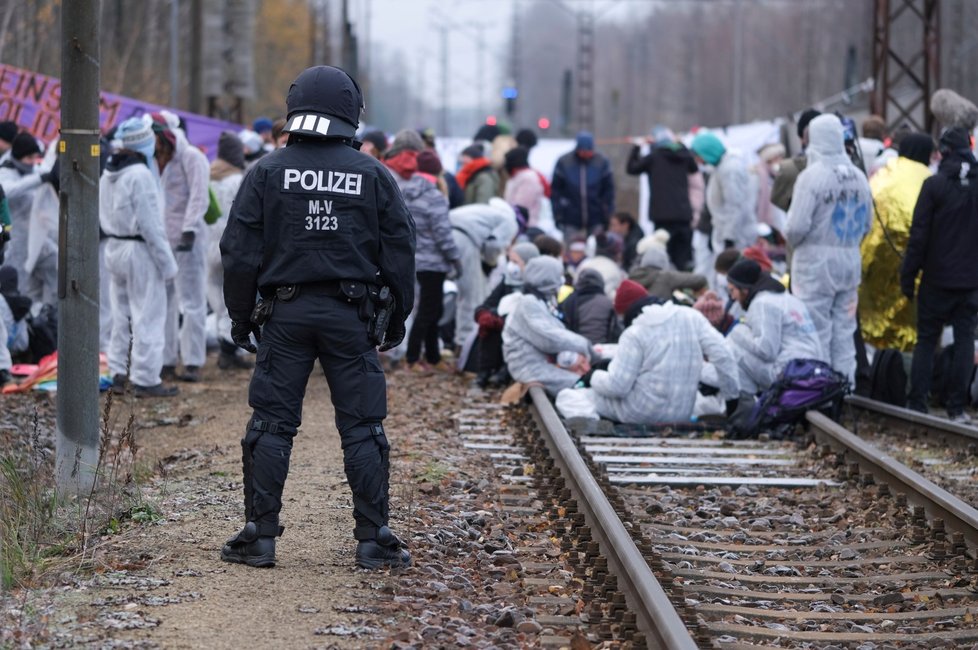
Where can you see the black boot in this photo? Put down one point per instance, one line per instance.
(119, 384)
(383, 551)
(191, 374)
(159, 390)
(248, 548)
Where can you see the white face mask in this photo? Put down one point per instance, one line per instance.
(933, 167)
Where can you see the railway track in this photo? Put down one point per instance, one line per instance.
(682, 542)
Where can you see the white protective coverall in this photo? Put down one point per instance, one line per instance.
(185, 181)
(225, 181)
(731, 196)
(831, 211)
(656, 372)
(129, 205)
(776, 329)
(40, 282)
(19, 182)
(533, 334)
(481, 231)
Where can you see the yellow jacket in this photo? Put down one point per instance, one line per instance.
(887, 319)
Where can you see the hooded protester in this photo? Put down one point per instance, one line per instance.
(943, 241)
(668, 166)
(139, 258)
(784, 181)
(227, 170)
(731, 194)
(20, 179)
(482, 232)
(830, 213)
(653, 273)
(775, 328)
(478, 180)
(184, 176)
(655, 375)
(8, 131)
(583, 189)
(588, 311)
(436, 253)
(534, 335)
(887, 318)
(525, 186)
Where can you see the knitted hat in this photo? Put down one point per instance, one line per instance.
(164, 127)
(708, 147)
(918, 147)
(230, 149)
(474, 151)
(526, 251)
(262, 124)
(628, 293)
(24, 144)
(804, 119)
(710, 305)
(585, 141)
(744, 274)
(954, 139)
(656, 258)
(405, 140)
(136, 134)
(663, 134)
(429, 163)
(8, 130)
(544, 274)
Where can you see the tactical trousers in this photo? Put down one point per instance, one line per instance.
(316, 326)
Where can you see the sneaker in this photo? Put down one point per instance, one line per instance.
(168, 373)
(159, 390)
(384, 551)
(248, 548)
(232, 360)
(960, 418)
(191, 374)
(445, 366)
(420, 368)
(118, 384)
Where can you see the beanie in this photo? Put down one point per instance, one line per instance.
(585, 141)
(656, 258)
(8, 130)
(429, 163)
(230, 149)
(526, 251)
(954, 139)
(744, 274)
(136, 134)
(405, 140)
(544, 274)
(526, 138)
(917, 147)
(517, 158)
(628, 293)
(708, 147)
(162, 125)
(804, 119)
(474, 151)
(24, 144)
(261, 125)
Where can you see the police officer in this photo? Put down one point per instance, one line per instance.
(320, 231)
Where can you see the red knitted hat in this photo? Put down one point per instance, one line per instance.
(628, 293)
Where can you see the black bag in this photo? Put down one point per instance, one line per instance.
(42, 333)
(888, 378)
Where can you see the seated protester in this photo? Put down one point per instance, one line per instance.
(491, 367)
(606, 261)
(549, 246)
(14, 309)
(533, 335)
(654, 273)
(655, 375)
(588, 311)
(775, 328)
(710, 305)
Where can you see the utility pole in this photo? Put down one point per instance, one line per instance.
(738, 63)
(78, 300)
(444, 80)
(196, 55)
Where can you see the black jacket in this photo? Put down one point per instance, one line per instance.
(589, 312)
(315, 211)
(668, 168)
(944, 232)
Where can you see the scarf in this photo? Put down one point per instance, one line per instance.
(470, 169)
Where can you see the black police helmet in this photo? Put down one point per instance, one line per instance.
(324, 102)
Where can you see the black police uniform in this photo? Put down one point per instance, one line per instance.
(313, 227)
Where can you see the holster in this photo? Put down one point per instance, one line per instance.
(262, 311)
(380, 317)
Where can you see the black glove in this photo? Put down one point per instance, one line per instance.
(395, 334)
(241, 332)
(186, 242)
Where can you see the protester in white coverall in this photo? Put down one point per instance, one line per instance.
(139, 258)
(830, 213)
(775, 329)
(731, 194)
(20, 179)
(533, 335)
(482, 232)
(40, 282)
(184, 175)
(227, 170)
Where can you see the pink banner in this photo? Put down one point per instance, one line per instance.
(33, 101)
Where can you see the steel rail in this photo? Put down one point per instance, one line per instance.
(937, 502)
(940, 425)
(655, 615)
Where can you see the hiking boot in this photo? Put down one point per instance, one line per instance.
(118, 384)
(383, 551)
(191, 374)
(168, 373)
(960, 418)
(248, 548)
(159, 390)
(232, 361)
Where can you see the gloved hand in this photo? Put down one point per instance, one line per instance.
(241, 332)
(457, 265)
(395, 334)
(186, 242)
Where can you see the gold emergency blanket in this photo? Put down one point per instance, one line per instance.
(887, 318)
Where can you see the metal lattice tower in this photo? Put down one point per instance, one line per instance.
(904, 76)
(585, 70)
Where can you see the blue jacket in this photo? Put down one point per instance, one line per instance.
(583, 191)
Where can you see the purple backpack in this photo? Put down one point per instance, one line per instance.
(804, 385)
